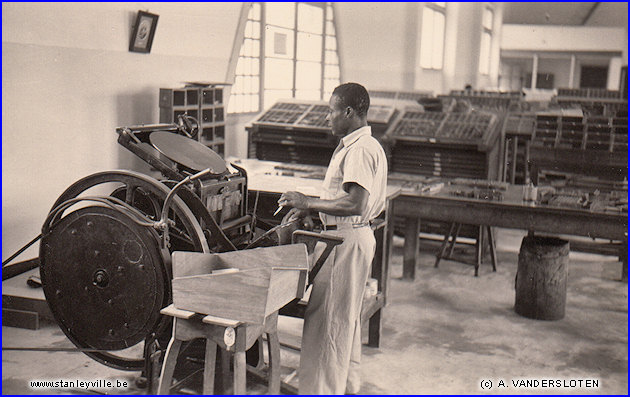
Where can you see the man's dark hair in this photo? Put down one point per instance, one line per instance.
(355, 96)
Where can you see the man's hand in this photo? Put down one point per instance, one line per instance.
(295, 214)
(353, 203)
(295, 200)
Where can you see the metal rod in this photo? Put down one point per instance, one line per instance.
(590, 13)
(33, 241)
(54, 349)
(171, 194)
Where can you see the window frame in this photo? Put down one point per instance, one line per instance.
(489, 32)
(435, 7)
(241, 36)
(323, 62)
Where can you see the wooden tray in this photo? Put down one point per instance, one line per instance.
(245, 285)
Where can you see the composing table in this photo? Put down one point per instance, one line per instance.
(510, 212)
(612, 166)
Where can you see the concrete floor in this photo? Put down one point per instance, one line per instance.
(443, 333)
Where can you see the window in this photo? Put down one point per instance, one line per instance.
(289, 50)
(486, 41)
(432, 37)
(245, 93)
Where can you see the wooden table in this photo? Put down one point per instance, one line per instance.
(511, 212)
(607, 165)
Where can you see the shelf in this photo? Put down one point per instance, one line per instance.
(205, 104)
(478, 129)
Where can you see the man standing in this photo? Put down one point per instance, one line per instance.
(354, 193)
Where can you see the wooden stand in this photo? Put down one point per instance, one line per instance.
(479, 246)
(541, 279)
(231, 336)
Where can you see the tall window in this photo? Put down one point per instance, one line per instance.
(432, 38)
(289, 51)
(245, 94)
(486, 41)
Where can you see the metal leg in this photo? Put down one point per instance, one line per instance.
(493, 248)
(526, 164)
(442, 250)
(374, 327)
(410, 249)
(506, 160)
(479, 247)
(514, 156)
(623, 257)
(450, 252)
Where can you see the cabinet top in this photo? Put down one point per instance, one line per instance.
(203, 84)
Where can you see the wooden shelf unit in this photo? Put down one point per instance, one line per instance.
(517, 133)
(486, 100)
(445, 144)
(296, 131)
(581, 133)
(597, 147)
(205, 103)
(593, 101)
(440, 144)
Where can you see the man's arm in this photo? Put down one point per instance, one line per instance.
(353, 203)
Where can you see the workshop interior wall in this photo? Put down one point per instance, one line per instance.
(392, 58)
(562, 38)
(373, 43)
(69, 81)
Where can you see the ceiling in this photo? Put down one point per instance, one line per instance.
(611, 14)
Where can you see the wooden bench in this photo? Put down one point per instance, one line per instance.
(232, 336)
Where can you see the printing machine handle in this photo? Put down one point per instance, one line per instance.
(186, 127)
(311, 239)
(163, 223)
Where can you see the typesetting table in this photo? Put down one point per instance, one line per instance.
(509, 212)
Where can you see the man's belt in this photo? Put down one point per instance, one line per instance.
(346, 226)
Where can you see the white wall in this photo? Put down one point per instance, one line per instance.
(380, 46)
(614, 73)
(609, 13)
(511, 74)
(468, 45)
(558, 67)
(372, 42)
(492, 79)
(562, 38)
(591, 45)
(68, 81)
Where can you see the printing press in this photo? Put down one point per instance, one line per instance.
(106, 246)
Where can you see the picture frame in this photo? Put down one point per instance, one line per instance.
(143, 32)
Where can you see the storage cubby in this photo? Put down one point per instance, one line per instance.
(204, 102)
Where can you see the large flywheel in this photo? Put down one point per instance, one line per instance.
(104, 270)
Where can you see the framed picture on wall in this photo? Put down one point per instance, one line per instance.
(143, 32)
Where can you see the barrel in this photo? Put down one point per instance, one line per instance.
(541, 278)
